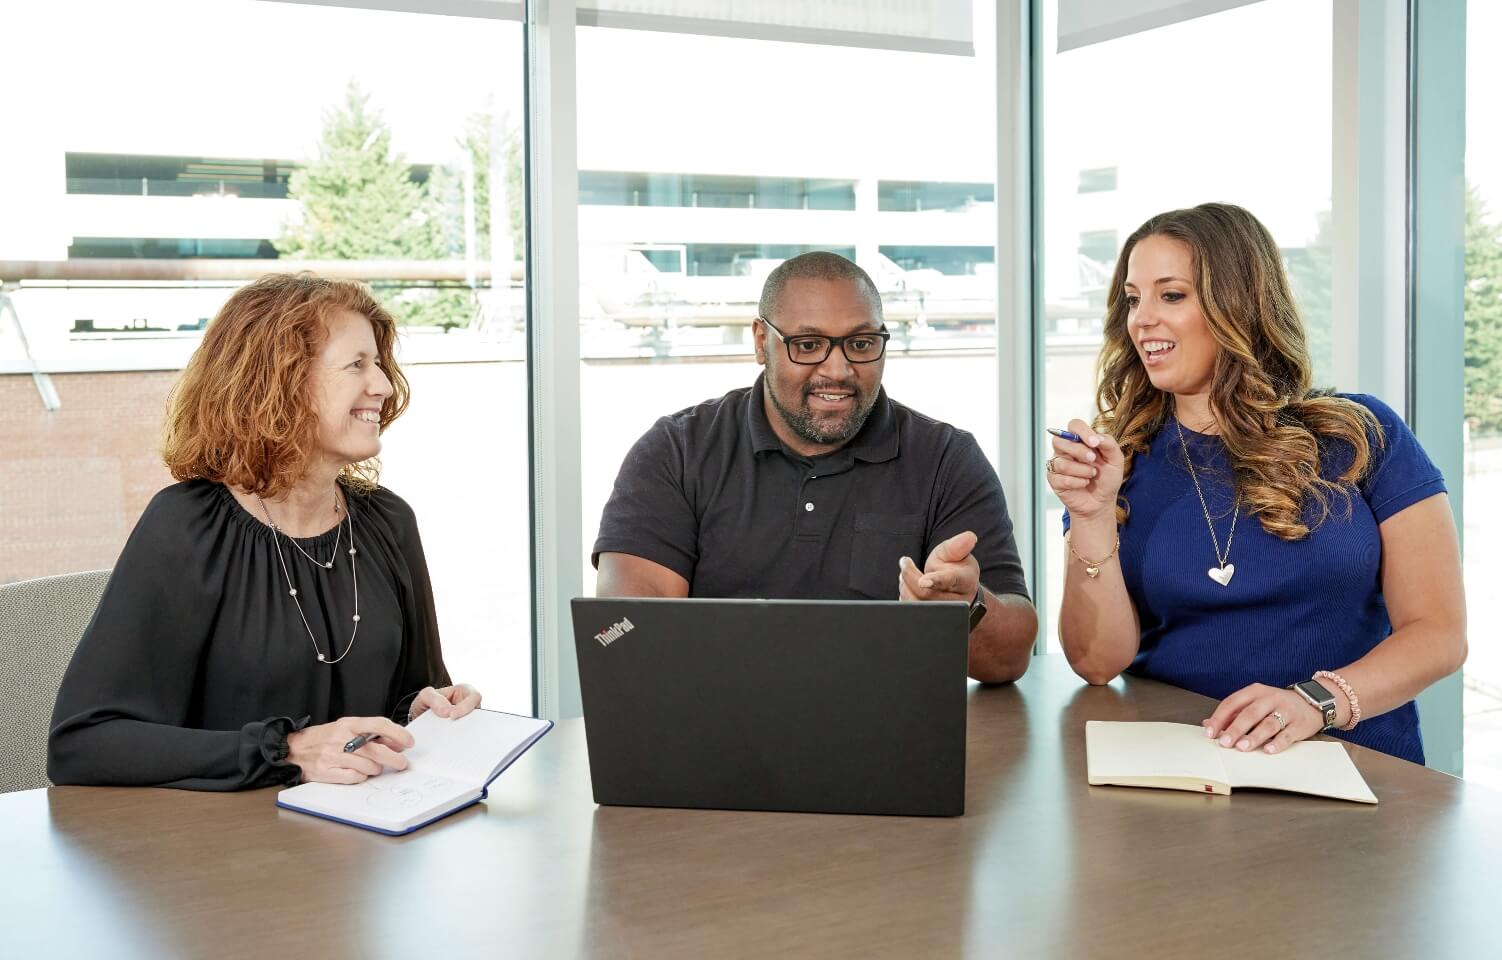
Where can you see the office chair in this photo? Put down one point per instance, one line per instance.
(41, 622)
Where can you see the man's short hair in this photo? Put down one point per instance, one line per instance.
(817, 265)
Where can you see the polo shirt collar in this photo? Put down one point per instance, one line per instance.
(876, 442)
(763, 438)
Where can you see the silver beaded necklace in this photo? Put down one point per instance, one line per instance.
(339, 532)
(292, 591)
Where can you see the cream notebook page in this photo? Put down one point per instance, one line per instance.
(450, 763)
(467, 748)
(1180, 756)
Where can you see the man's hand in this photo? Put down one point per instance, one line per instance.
(950, 573)
(1001, 644)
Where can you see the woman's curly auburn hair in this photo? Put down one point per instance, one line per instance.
(1273, 422)
(243, 413)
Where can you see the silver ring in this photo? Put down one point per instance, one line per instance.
(1282, 720)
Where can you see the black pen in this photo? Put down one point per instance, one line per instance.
(1065, 434)
(360, 741)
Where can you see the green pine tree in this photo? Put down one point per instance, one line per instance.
(358, 198)
(359, 202)
(1483, 317)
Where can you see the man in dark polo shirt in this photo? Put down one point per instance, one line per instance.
(812, 483)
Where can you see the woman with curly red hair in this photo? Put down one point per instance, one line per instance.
(1234, 531)
(274, 604)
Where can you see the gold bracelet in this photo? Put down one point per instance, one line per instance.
(1092, 567)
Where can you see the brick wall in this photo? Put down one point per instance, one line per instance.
(73, 482)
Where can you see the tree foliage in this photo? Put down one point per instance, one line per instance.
(1310, 275)
(1483, 316)
(359, 200)
(447, 186)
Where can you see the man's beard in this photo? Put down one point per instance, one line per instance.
(804, 423)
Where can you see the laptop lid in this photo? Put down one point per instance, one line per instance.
(826, 706)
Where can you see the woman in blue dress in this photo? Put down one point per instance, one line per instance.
(1234, 531)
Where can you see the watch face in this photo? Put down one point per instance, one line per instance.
(1314, 689)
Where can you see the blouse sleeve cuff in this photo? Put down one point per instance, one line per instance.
(274, 749)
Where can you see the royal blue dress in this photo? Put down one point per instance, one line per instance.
(1290, 608)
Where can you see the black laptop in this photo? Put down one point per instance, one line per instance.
(798, 705)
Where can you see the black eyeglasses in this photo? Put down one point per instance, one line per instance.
(865, 347)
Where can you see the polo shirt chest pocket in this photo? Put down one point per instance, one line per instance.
(880, 539)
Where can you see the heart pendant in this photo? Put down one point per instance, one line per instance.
(1222, 575)
(1092, 572)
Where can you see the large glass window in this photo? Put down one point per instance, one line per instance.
(127, 175)
(756, 158)
(268, 134)
(606, 188)
(1482, 703)
(1169, 118)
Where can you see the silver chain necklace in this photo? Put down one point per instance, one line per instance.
(339, 532)
(292, 591)
(1223, 573)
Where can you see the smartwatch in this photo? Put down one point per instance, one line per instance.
(1319, 698)
(977, 608)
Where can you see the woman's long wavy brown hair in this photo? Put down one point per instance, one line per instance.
(1273, 422)
(243, 412)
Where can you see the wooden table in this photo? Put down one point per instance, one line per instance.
(1041, 865)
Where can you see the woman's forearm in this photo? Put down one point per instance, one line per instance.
(1097, 622)
(1402, 666)
(128, 752)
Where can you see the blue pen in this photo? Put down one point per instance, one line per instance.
(1065, 434)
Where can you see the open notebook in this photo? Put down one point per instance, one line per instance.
(1178, 756)
(452, 764)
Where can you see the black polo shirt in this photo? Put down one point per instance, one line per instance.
(712, 494)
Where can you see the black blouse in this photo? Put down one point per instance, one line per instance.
(196, 662)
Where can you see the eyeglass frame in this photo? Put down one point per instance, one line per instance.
(883, 335)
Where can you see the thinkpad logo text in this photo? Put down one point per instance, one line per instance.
(614, 633)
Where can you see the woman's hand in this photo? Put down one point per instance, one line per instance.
(1261, 716)
(451, 702)
(320, 750)
(1086, 475)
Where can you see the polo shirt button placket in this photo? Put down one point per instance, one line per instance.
(808, 526)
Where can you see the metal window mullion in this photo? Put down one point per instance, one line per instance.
(1436, 223)
(553, 351)
(1018, 358)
